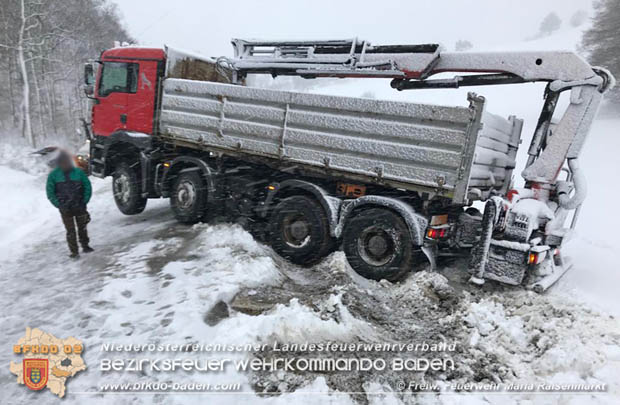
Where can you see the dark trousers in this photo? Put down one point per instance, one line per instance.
(71, 220)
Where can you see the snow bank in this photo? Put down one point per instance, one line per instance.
(547, 340)
(25, 210)
(17, 156)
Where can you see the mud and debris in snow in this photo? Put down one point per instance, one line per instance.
(501, 335)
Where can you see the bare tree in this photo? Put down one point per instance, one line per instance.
(21, 58)
(550, 24)
(578, 18)
(43, 45)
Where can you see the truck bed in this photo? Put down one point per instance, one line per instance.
(457, 152)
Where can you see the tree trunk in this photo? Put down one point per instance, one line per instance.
(10, 66)
(47, 80)
(10, 75)
(37, 96)
(21, 61)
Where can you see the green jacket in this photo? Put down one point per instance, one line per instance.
(69, 191)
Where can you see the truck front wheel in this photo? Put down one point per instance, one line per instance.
(300, 230)
(377, 244)
(189, 197)
(127, 190)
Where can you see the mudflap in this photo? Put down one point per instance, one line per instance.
(430, 250)
(506, 262)
(479, 256)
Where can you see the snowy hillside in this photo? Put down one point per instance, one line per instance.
(152, 280)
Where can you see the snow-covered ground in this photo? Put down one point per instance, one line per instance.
(152, 280)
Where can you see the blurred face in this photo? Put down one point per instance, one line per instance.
(65, 163)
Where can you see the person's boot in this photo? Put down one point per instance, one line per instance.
(74, 255)
(88, 249)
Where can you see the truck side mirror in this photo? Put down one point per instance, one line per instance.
(89, 79)
(89, 74)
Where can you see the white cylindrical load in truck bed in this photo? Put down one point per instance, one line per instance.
(412, 146)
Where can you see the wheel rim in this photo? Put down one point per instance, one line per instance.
(376, 246)
(296, 230)
(186, 195)
(122, 188)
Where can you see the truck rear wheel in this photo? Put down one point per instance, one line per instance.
(127, 190)
(300, 230)
(189, 197)
(378, 244)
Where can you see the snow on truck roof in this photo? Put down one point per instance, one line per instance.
(133, 52)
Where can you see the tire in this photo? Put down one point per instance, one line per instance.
(299, 230)
(127, 190)
(378, 244)
(188, 199)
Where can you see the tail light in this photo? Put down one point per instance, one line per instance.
(536, 257)
(437, 233)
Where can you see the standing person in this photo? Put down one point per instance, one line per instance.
(69, 190)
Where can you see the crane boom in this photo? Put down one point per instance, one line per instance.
(355, 58)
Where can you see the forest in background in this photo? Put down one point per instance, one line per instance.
(43, 47)
(601, 44)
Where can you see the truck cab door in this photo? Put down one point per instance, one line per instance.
(141, 103)
(116, 81)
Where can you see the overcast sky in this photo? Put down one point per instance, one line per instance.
(206, 26)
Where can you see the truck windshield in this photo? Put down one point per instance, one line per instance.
(118, 77)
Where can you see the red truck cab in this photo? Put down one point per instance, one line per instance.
(126, 90)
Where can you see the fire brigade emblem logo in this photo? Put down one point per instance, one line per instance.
(48, 361)
(35, 373)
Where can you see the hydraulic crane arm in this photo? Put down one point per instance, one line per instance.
(354, 58)
(528, 66)
(411, 66)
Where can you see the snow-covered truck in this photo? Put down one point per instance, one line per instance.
(309, 173)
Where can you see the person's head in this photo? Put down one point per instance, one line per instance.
(65, 162)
